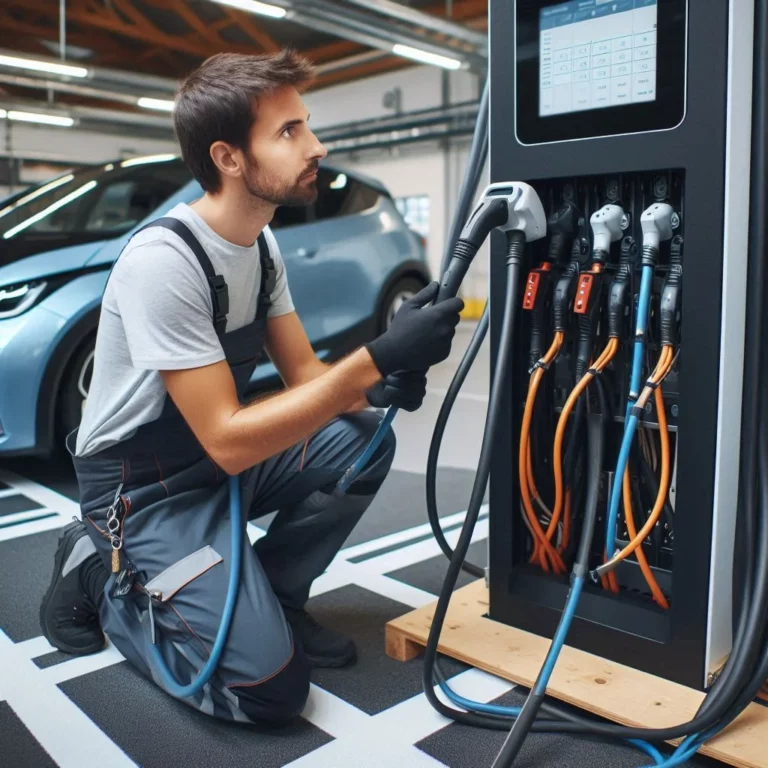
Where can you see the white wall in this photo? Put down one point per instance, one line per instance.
(362, 100)
(74, 145)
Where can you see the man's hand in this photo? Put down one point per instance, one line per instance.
(405, 390)
(419, 336)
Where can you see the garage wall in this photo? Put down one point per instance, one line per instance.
(431, 169)
(424, 169)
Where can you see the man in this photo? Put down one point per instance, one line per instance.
(189, 306)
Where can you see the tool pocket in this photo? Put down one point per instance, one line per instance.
(174, 578)
(179, 598)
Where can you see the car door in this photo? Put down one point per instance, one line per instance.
(329, 253)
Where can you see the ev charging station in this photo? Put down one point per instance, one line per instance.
(632, 121)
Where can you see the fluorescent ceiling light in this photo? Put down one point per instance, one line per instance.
(163, 105)
(66, 200)
(254, 6)
(40, 191)
(39, 117)
(426, 57)
(43, 66)
(147, 159)
(3, 113)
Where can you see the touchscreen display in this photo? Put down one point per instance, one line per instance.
(595, 54)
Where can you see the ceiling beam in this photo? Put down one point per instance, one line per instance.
(193, 21)
(100, 17)
(243, 20)
(17, 30)
(333, 51)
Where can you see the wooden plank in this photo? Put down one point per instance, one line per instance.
(611, 690)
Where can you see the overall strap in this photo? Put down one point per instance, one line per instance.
(268, 272)
(218, 286)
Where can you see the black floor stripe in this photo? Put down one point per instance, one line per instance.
(13, 504)
(28, 520)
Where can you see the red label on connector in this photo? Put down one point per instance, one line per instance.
(531, 289)
(581, 302)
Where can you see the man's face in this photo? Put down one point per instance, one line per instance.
(283, 154)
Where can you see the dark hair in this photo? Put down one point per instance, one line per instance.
(218, 102)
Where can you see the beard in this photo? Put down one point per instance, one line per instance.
(278, 191)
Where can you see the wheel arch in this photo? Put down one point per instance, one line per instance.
(416, 269)
(58, 363)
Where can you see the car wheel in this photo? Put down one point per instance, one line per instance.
(400, 292)
(75, 386)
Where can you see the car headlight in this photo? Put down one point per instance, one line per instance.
(15, 299)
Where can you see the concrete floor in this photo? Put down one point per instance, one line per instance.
(464, 433)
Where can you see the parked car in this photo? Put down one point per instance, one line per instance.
(350, 258)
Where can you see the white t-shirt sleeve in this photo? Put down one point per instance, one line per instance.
(282, 302)
(166, 309)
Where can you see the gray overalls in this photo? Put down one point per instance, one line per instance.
(172, 503)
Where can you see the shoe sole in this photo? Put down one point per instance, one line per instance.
(58, 564)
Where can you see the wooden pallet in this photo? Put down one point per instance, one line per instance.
(613, 691)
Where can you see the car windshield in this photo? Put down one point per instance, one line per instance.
(109, 199)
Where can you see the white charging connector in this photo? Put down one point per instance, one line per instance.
(525, 211)
(607, 224)
(656, 223)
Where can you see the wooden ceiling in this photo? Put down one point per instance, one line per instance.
(170, 37)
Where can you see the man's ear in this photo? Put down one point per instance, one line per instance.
(227, 159)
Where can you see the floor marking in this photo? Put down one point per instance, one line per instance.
(28, 515)
(73, 739)
(63, 730)
(42, 495)
(401, 536)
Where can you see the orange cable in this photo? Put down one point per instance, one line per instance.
(662, 369)
(605, 358)
(629, 519)
(542, 546)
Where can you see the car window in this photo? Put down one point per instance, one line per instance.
(338, 195)
(110, 200)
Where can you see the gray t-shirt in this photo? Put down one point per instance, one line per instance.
(157, 314)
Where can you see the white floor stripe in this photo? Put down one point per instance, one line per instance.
(21, 517)
(6, 492)
(332, 714)
(390, 540)
(27, 529)
(82, 665)
(387, 738)
(42, 495)
(64, 731)
(416, 553)
(37, 646)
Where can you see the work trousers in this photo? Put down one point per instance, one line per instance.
(176, 532)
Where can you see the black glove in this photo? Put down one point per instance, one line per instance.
(419, 336)
(404, 390)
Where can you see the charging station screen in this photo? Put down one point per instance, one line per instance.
(595, 54)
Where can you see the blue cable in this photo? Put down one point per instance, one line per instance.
(643, 305)
(558, 641)
(618, 478)
(349, 476)
(233, 587)
(496, 709)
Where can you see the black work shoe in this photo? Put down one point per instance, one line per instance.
(68, 617)
(323, 647)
